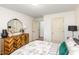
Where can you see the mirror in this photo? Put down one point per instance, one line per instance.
(14, 26)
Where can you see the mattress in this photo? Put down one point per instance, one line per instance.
(37, 48)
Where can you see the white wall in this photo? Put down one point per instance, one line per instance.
(47, 28)
(69, 19)
(77, 16)
(7, 14)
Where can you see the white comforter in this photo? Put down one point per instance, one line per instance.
(37, 48)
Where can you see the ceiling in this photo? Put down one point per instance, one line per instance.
(39, 10)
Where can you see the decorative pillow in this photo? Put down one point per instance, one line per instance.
(70, 42)
(63, 50)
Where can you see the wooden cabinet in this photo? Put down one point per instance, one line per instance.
(14, 42)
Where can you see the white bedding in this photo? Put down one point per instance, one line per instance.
(37, 48)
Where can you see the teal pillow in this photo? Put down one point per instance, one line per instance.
(63, 50)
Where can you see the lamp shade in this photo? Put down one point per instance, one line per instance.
(72, 28)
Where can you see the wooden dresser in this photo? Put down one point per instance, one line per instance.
(14, 42)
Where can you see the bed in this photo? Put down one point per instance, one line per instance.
(37, 48)
(47, 48)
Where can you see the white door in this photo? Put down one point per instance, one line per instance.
(42, 29)
(35, 30)
(58, 29)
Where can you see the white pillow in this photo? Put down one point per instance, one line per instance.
(72, 46)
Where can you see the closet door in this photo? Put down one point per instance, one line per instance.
(57, 29)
